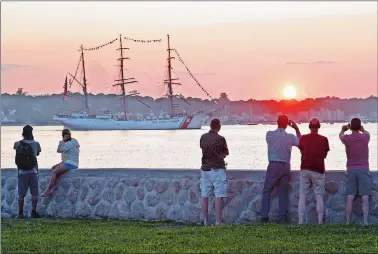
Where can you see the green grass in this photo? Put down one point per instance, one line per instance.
(110, 236)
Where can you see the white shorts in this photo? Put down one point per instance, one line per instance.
(214, 178)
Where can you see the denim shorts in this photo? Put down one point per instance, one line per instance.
(359, 182)
(69, 166)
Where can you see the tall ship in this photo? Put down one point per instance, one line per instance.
(85, 120)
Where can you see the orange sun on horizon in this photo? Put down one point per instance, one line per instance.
(289, 92)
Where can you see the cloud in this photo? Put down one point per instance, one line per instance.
(321, 62)
(11, 67)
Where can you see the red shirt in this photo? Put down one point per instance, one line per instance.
(314, 149)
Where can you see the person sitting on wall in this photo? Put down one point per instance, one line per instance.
(314, 149)
(280, 144)
(27, 151)
(69, 148)
(213, 170)
(359, 178)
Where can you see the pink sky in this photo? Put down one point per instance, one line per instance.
(246, 49)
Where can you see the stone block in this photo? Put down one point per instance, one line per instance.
(119, 191)
(140, 193)
(96, 184)
(102, 210)
(109, 195)
(247, 216)
(374, 209)
(112, 182)
(11, 183)
(77, 182)
(137, 210)
(126, 181)
(193, 195)
(255, 204)
(84, 192)
(186, 183)
(65, 182)
(336, 202)
(59, 195)
(182, 197)
(152, 199)
(161, 186)
(292, 216)
(149, 184)
(161, 211)
(129, 195)
(248, 194)
(10, 197)
(191, 213)
(119, 210)
(51, 210)
(43, 183)
(334, 217)
(73, 195)
(82, 209)
(230, 214)
(312, 215)
(135, 182)
(175, 212)
(176, 186)
(331, 187)
(94, 198)
(64, 210)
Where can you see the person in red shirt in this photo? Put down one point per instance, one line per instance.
(314, 149)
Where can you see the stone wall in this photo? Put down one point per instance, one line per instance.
(145, 194)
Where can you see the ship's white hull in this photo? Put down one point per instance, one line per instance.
(184, 122)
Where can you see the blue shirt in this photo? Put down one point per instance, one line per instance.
(36, 149)
(279, 145)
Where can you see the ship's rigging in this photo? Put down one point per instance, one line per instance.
(122, 81)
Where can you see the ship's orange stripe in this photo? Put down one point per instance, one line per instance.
(186, 122)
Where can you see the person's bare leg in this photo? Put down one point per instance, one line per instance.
(205, 210)
(320, 208)
(218, 210)
(348, 209)
(57, 165)
(301, 208)
(58, 171)
(365, 208)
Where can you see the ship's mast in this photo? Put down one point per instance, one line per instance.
(123, 81)
(84, 80)
(169, 80)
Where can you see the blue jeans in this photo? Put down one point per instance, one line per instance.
(277, 174)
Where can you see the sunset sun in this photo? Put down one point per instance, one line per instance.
(289, 92)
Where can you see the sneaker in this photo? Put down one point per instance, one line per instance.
(20, 216)
(35, 215)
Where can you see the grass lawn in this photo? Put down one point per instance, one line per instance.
(110, 236)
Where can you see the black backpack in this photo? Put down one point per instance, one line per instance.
(25, 158)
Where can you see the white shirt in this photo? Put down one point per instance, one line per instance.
(279, 145)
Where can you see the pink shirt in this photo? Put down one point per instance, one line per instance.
(357, 150)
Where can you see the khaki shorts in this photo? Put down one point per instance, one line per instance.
(310, 178)
(215, 178)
